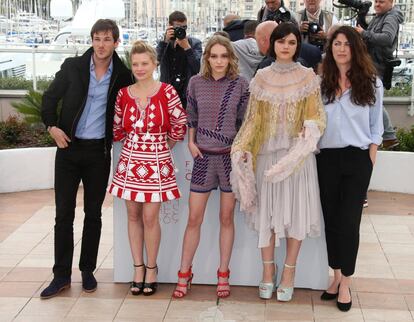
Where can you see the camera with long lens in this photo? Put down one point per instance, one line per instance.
(357, 4)
(389, 68)
(280, 15)
(360, 7)
(180, 32)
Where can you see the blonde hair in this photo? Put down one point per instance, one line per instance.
(141, 47)
(232, 69)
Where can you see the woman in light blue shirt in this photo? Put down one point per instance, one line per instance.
(352, 96)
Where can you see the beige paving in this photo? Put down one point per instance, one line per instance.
(58, 308)
(382, 290)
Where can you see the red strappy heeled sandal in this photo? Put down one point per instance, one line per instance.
(187, 275)
(220, 292)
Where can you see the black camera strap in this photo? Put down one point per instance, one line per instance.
(396, 48)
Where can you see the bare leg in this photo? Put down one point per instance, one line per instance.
(197, 207)
(268, 255)
(333, 288)
(136, 237)
(152, 237)
(227, 204)
(292, 252)
(344, 296)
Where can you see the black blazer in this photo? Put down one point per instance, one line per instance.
(71, 84)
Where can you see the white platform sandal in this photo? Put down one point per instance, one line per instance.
(285, 294)
(266, 289)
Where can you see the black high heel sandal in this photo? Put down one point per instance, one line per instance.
(138, 285)
(151, 286)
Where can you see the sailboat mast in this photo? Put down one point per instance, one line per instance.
(156, 18)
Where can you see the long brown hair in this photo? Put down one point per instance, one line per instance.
(362, 74)
(232, 70)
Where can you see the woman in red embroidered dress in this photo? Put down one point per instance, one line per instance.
(149, 119)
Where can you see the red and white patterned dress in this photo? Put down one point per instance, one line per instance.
(145, 171)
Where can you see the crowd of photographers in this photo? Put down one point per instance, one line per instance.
(179, 54)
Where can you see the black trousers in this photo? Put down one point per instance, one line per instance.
(344, 176)
(84, 160)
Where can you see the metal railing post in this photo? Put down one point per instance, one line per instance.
(411, 107)
(34, 68)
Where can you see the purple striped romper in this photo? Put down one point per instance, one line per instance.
(216, 109)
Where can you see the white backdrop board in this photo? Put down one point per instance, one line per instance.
(245, 265)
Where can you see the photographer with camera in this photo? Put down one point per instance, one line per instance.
(275, 10)
(179, 55)
(381, 38)
(315, 22)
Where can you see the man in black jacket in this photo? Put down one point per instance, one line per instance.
(234, 26)
(87, 86)
(179, 55)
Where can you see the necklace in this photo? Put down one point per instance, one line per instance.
(142, 109)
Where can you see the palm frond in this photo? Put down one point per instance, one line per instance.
(30, 106)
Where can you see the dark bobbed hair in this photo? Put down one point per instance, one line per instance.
(106, 25)
(362, 73)
(177, 16)
(281, 31)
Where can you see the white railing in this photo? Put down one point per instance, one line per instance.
(34, 50)
(78, 49)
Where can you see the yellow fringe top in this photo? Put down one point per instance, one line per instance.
(280, 95)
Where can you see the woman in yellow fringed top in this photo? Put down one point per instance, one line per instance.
(274, 169)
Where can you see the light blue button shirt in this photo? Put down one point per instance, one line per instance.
(348, 124)
(91, 124)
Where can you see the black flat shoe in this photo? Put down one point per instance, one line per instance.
(151, 287)
(328, 296)
(138, 285)
(57, 285)
(344, 307)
